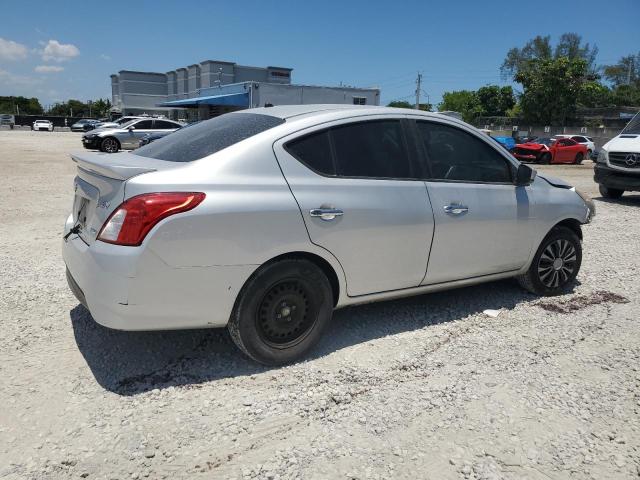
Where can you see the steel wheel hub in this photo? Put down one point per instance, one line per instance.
(284, 316)
(557, 263)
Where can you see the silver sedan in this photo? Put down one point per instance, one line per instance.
(264, 221)
(128, 135)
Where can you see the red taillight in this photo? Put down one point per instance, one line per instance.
(131, 221)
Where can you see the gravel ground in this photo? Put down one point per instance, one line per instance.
(427, 387)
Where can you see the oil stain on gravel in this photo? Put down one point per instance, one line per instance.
(583, 301)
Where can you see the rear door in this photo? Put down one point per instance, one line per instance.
(482, 220)
(361, 199)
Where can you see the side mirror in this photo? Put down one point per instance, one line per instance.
(131, 128)
(524, 175)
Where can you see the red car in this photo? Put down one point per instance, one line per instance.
(551, 150)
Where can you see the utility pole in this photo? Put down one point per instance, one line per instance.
(629, 73)
(418, 87)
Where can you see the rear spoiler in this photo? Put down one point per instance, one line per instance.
(120, 166)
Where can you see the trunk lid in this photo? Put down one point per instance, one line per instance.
(100, 186)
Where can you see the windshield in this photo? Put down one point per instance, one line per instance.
(207, 137)
(633, 127)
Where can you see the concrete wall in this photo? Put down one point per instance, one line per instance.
(268, 93)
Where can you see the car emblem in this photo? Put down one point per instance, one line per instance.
(631, 160)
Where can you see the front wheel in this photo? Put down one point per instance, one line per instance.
(613, 193)
(282, 311)
(556, 264)
(545, 159)
(110, 145)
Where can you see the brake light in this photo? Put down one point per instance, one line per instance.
(132, 220)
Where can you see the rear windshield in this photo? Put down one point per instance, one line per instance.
(207, 137)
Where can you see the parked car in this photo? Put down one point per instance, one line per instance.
(116, 123)
(582, 140)
(128, 136)
(265, 220)
(42, 125)
(617, 169)
(551, 150)
(6, 119)
(84, 125)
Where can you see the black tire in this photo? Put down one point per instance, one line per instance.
(579, 158)
(545, 159)
(613, 193)
(546, 275)
(282, 311)
(109, 145)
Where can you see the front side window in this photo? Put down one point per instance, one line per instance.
(455, 155)
(143, 125)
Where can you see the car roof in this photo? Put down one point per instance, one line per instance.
(301, 112)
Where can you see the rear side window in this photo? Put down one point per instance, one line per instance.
(455, 155)
(164, 125)
(371, 149)
(314, 151)
(207, 137)
(579, 139)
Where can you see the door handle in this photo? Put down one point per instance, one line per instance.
(326, 214)
(455, 209)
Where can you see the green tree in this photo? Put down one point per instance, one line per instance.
(465, 102)
(495, 100)
(593, 94)
(539, 48)
(551, 88)
(21, 105)
(625, 72)
(404, 104)
(626, 96)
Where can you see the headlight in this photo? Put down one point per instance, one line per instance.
(603, 156)
(90, 136)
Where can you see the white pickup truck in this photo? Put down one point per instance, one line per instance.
(617, 168)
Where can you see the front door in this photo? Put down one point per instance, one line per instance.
(132, 138)
(482, 219)
(360, 200)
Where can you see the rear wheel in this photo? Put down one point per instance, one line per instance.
(545, 158)
(613, 193)
(556, 264)
(579, 158)
(282, 312)
(110, 145)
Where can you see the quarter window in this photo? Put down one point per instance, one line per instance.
(314, 151)
(455, 155)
